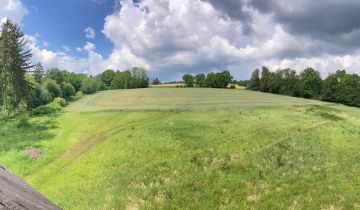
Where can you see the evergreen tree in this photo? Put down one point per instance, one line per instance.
(15, 62)
(38, 72)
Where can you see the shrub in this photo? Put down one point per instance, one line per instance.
(41, 110)
(232, 86)
(53, 88)
(89, 86)
(77, 96)
(58, 103)
(68, 90)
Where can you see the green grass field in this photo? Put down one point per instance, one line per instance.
(180, 148)
(183, 99)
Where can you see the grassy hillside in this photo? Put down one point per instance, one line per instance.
(188, 155)
(182, 98)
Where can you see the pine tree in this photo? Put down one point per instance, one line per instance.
(15, 62)
(38, 72)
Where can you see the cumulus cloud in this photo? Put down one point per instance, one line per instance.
(199, 34)
(13, 9)
(164, 33)
(89, 33)
(171, 37)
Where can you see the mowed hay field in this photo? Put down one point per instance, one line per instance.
(183, 99)
(107, 151)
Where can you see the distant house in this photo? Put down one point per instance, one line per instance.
(15, 194)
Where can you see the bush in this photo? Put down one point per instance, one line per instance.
(68, 90)
(77, 96)
(89, 86)
(60, 101)
(38, 96)
(41, 110)
(232, 86)
(53, 88)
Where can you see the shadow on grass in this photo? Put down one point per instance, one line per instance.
(15, 137)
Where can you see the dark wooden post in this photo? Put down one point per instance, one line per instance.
(15, 194)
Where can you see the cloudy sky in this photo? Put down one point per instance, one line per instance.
(171, 37)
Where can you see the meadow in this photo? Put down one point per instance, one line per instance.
(190, 148)
(182, 99)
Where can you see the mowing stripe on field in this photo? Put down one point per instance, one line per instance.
(85, 146)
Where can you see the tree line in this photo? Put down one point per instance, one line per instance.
(132, 78)
(25, 86)
(339, 87)
(211, 80)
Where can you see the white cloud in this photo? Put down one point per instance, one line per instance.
(89, 46)
(14, 9)
(89, 33)
(191, 36)
(326, 63)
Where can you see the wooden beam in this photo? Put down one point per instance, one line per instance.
(15, 194)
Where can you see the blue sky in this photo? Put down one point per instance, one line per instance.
(61, 23)
(173, 37)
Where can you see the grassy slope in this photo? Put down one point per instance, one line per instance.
(303, 157)
(182, 98)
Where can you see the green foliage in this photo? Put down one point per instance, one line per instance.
(14, 63)
(89, 86)
(53, 88)
(56, 75)
(139, 78)
(67, 90)
(77, 96)
(75, 79)
(212, 80)
(338, 87)
(42, 110)
(290, 82)
(200, 80)
(107, 76)
(61, 102)
(188, 80)
(129, 79)
(265, 80)
(38, 73)
(341, 87)
(38, 94)
(254, 82)
(122, 80)
(311, 83)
